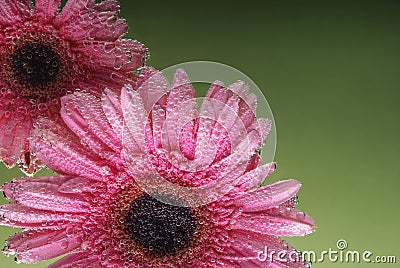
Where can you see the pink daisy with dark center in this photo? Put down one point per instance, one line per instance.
(47, 52)
(147, 179)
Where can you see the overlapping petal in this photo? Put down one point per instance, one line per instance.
(44, 194)
(63, 154)
(32, 247)
(83, 113)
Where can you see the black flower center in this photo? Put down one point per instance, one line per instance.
(161, 229)
(36, 64)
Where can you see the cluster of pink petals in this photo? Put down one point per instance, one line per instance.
(87, 36)
(121, 140)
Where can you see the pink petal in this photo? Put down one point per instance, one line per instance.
(75, 185)
(243, 151)
(126, 97)
(247, 103)
(124, 55)
(76, 260)
(32, 247)
(158, 116)
(75, 31)
(217, 91)
(234, 263)
(280, 222)
(14, 11)
(140, 168)
(17, 215)
(254, 162)
(135, 122)
(148, 74)
(96, 77)
(14, 131)
(152, 87)
(112, 109)
(107, 5)
(47, 9)
(84, 115)
(65, 154)
(242, 91)
(255, 177)
(34, 225)
(187, 140)
(72, 9)
(8, 188)
(44, 195)
(181, 109)
(242, 106)
(268, 196)
(181, 90)
(252, 140)
(224, 111)
(263, 126)
(98, 23)
(219, 120)
(102, 30)
(215, 190)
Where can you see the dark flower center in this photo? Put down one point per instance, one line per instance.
(161, 229)
(36, 64)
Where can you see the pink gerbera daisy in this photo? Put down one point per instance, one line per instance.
(153, 182)
(46, 53)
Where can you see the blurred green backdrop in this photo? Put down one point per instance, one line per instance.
(331, 73)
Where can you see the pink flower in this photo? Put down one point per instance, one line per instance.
(154, 182)
(46, 53)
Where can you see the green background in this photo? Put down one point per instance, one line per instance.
(330, 71)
